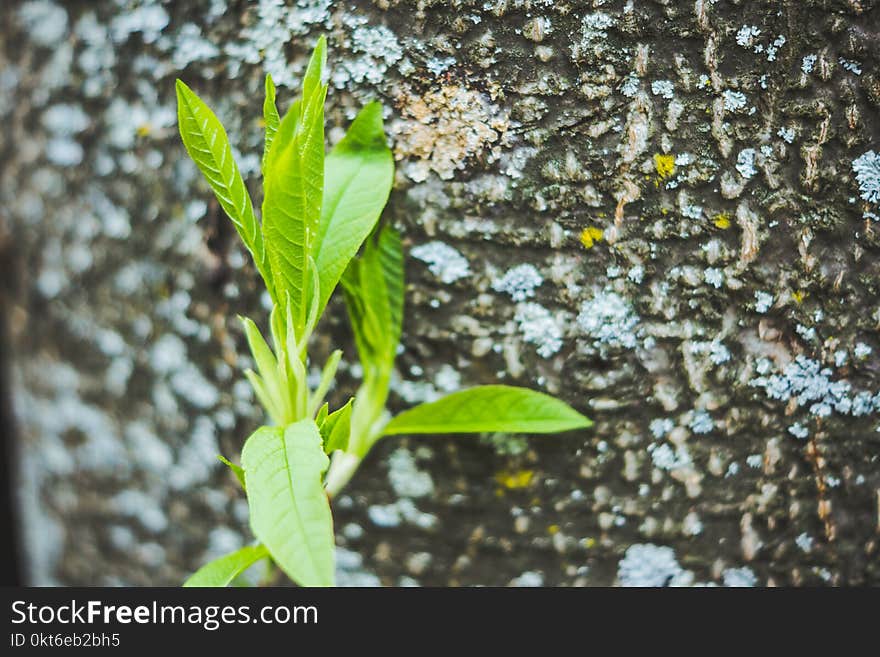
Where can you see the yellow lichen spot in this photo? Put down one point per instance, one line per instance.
(590, 235)
(553, 529)
(513, 479)
(588, 542)
(798, 296)
(143, 130)
(664, 211)
(722, 220)
(665, 165)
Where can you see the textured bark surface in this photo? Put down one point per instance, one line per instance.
(687, 194)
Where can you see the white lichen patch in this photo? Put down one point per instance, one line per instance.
(739, 577)
(659, 427)
(439, 65)
(275, 26)
(139, 505)
(64, 152)
(609, 320)
(147, 19)
(745, 163)
(807, 63)
(714, 350)
(652, 565)
(734, 101)
(630, 86)
(666, 457)
(528, 579)
(539, 327)
(763, 301)
(866, 167)
(809, 384)
(663, 88)
(197, 458)
(406, 478)
(375, 48)
(443, 261)
(747, 35)
(45, 22)
(701, 422)
(191, 46)
(714, 277)
(65, 120)
(519, 282)
(774, 47)
(804, 541)
(350, 570)
(787, 134)
(594, 27)
(851, 65)
(402, 511)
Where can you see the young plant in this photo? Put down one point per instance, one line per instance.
(318, 211)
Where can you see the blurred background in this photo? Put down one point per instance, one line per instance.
(663, 212)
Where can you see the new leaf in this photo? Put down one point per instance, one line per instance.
(293, 187)
(489, 408)
(289, 509)
(207, 144)
(270, 118)
(358, 174)
(222, 571)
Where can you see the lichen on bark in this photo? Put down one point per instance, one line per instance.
(664, 212)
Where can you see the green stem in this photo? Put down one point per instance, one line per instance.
(343, 465)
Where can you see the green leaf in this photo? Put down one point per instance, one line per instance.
(336, 428)
(489, 408)
(315, 70)
(207, 144)
(293, 187)
(236, 470)
(358, 173)
(322, 414)
(289, 509)
(264, 396)
(373, 290)
(222, 571)
(391, 259)
(261, 352)
(327, 375)
(361, 316)
(283, 136)
(267, 386)
(270, 118)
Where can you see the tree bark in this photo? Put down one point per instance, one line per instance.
(663, 212)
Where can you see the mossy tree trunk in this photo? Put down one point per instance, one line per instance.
(664, 212)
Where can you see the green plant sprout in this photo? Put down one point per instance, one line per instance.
(318, 212)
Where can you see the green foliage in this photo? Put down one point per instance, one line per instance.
(208, 146)
(289, 510)
(318, 212)
(336, 428)
(222, 571)
(270, 118)
(293, 189)
(489, 408)
(236, 469)
(358, 176)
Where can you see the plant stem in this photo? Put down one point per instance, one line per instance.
(342, 467)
